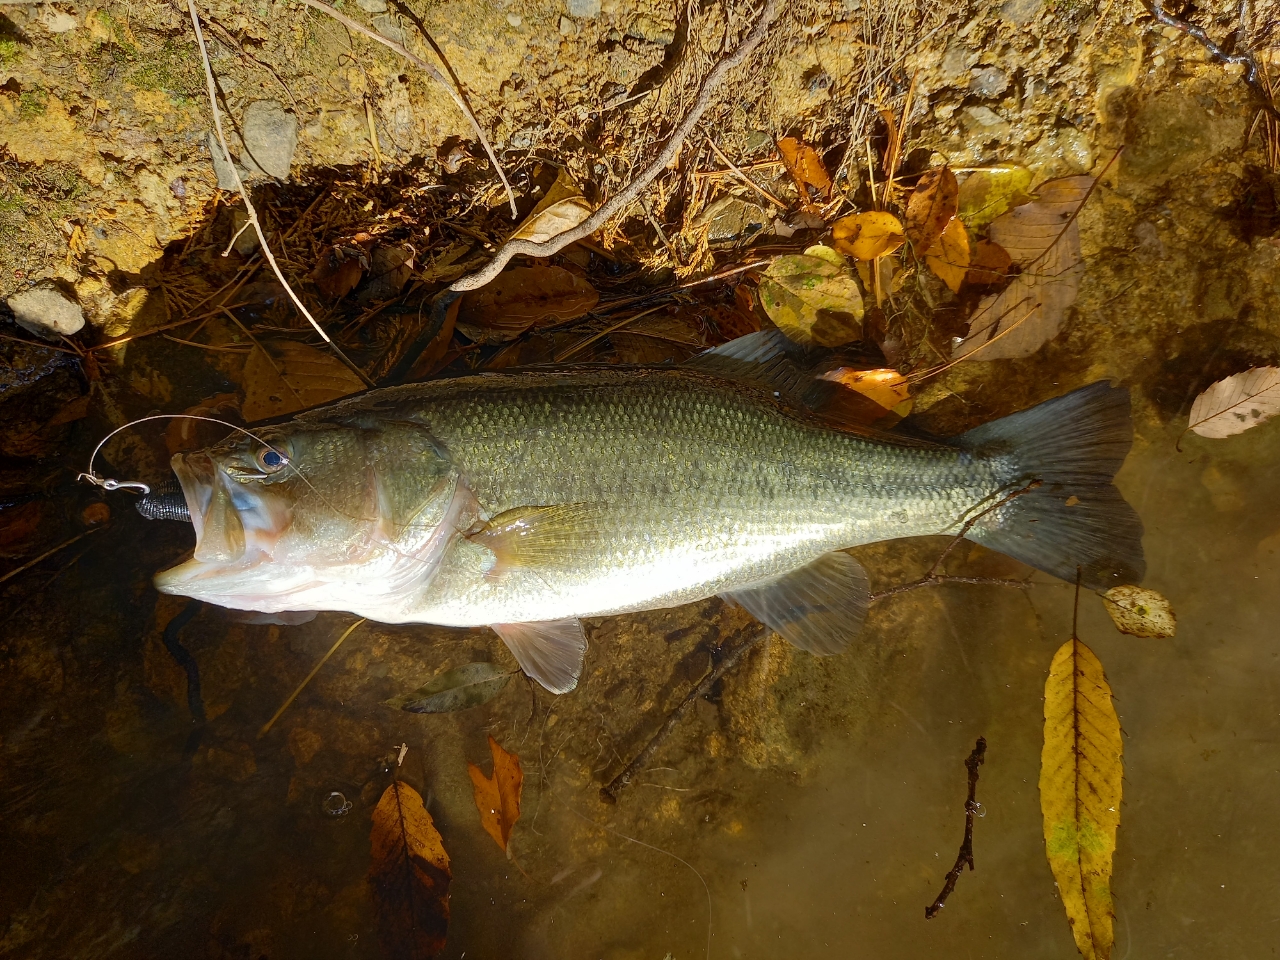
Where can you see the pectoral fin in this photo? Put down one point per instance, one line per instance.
(532, 537)
(550, 652)
(818, 608)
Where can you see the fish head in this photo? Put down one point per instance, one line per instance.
(283, 515)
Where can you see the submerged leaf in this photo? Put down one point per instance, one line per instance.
(989, 264)
(805, 166)
(931, 207)
(868, 235)
(1080, 788)
(498, 796)
(410, 876)
(812, 298)
(887, 387)
(948, 258)
(563, 208)
(1140, 612)
(458, 689)
(1043, 238)
(988, 193)
(521, 298)
(1237, 403)
(294, 377)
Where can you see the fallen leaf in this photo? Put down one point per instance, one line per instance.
(1080, 788)
(931, 207)
(389, 270)
(887, 387)
(661, 338)
(295, 377)
(458, 689)
(563, 208)
(881, 277)
(990, 192)
(948, 258)
(340, 268)
(989, 264)
(868, 235)
(410, 876)
(498, 796)
(1237, 403)
(521, 298)
(813, 298)
(77, 409)
(18, 525)
(1043, 238)
(806, 167)
(1140, 612)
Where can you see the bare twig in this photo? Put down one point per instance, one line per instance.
(1252, 74)
(266, 727)
(728, 660)
(454, 94)
(252, 213)
(965, 856)
(735, 169)
(623, 198)
(48, 553)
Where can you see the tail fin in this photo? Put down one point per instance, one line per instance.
(1076, 518)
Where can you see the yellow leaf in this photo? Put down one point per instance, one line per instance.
(293, 377)
(949, 257)
(806, 167)
(988, 193)
(1237, 403)
(1080, 774)
(498, 796)
(866, 236)
(813, 298)
(1140, 612)
(887, 387)
(409, 874)
(563, 208)
(932, 206)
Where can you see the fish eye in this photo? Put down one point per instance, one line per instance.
(271, 460)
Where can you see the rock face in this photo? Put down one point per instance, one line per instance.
(47, 312)
(270, 136)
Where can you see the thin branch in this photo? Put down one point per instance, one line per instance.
(266, 727)
(729, 660)
(1252, 75)
(965, 856)
(735, 169)
(48, 553)
(625, 197)
(454, 94)
(212, 90)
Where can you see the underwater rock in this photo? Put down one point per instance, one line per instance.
(47, 312)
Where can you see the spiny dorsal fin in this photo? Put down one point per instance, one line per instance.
(765, 357)
(818, 608)
(551, 652)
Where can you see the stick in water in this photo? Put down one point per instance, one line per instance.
(266, 727)
(965, 856)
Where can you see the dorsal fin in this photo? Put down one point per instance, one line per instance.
(766, 358)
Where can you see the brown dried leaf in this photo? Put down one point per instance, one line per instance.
(183, 434)
(295, 377)
(1140, 612)
(18, 525)
(339, 269)
(1043, 238)
(989, 264)
(410, 876)
(563, 208)
(806, 167)
(948, 258)
(1237, 403)
(932, 206)
(498, 796)
(522, 298)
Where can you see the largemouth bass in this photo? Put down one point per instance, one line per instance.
(526, 501)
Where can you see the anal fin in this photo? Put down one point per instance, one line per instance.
(819, 608)
(551, 652)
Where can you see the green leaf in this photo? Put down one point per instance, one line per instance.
(992, 191)
(458, 689)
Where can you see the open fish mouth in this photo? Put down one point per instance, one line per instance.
(211, 504)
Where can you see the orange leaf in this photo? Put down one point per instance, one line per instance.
(866, 236)
(410, 875)
(990, 264)
(933, 203)
(948, 258)
(806, 167)
(498, 796)
(887, 387)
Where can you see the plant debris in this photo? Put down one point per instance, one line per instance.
(498, 795)
(410, 876)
